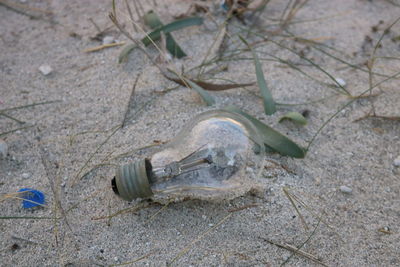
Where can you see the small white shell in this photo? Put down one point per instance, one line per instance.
(45, 69)
(345, 189)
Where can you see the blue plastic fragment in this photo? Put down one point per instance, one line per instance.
(32, 198)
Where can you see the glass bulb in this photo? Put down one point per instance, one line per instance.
(216, 155)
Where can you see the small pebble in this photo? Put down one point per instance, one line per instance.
(345, 189)
(396, 162)
(108, 40)
(204, 217)
(25, 175)
(3, 148)
(341, 81)
(45, 69)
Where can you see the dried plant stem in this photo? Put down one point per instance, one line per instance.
(75, 179)
(101, 47)
(296, 251)
(289, 196)
(130, 14)
(302, 245)
(130, 101)
(200, 237)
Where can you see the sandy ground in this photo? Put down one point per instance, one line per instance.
(93, 91)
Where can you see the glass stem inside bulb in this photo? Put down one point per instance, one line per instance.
(179, 167)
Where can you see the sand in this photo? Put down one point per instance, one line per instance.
(93, 91)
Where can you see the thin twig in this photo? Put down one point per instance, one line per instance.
(14, 130)
(99, 31)
(51, 177)
(101, 47)
(131, 15)
(158, 212)
(369, 116)
(21, 9)
(12, 118)
(74, 180)
(29, 105)
(289, 196)
(138, 207)
(135, 260)
(296, 251)
(201, 236)
(305, 242)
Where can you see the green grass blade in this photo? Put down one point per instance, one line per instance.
(295, 117)
(155, 35)
(273, 138)
(153, 21)
(269, 104)
(203, 93)
(177, 25)
(173, 47)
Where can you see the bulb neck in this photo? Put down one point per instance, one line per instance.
(132, 180)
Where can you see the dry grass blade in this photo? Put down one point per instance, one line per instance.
(29, 105)
(127, 210)
(296, 251)
(134, 261)
(211, 86)
(302, 245)
(12, 118)
(14, 130)
(269, 104)
(346, 105)
(130, 101)
(342, 89)
(16, 196)
(101, 47)
(87, 197)
(158, 212)
(216, 47)
(128, 7)
(77, 177)
(372, 59)
(53, 177)
(374, 116)
(288, 16)
(289, 196)
(200, 237)
(25, 218)
(347, 63)
(22, 9)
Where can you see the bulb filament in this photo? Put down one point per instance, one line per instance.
(176, 168)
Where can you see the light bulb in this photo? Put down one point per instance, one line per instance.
(216, 156)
